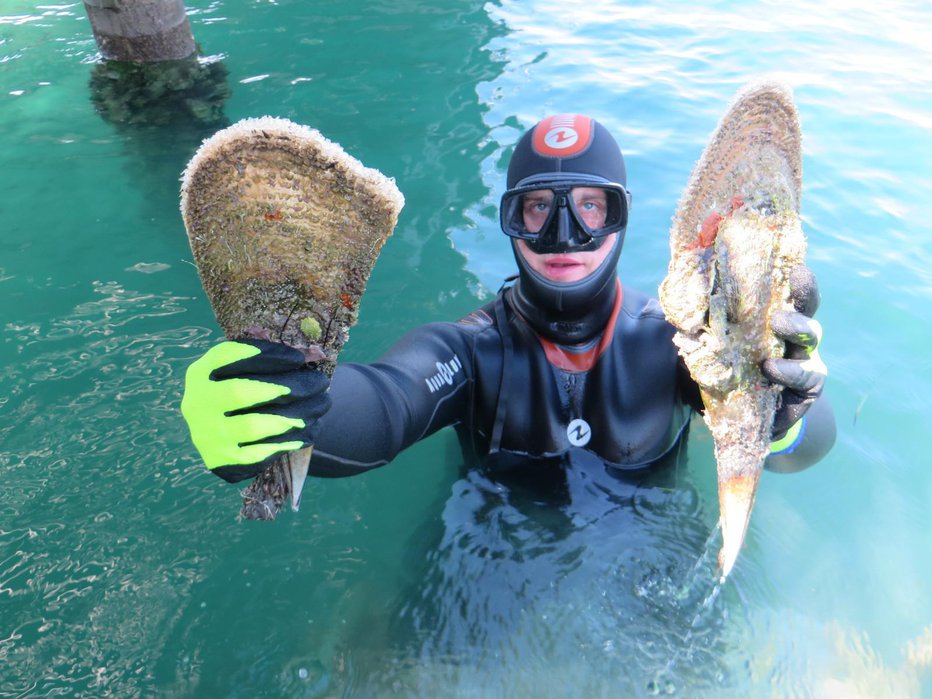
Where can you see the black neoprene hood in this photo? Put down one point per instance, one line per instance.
(568, 144)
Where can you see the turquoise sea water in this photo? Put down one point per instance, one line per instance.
(123, 569)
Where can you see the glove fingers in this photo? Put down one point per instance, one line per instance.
(255, 427)
(246, 356)
(804, 290)
(805, 377)
(798, 330)
(793, 408)
(300, 384)
(207, 401)
(303, 415)
(264, 453)
(801, 372)
(295, 394)
(255, 458)
(311, 408)
(240, 395)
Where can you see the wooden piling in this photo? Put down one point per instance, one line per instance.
(141, 31)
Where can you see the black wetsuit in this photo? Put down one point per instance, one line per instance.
(626, 397)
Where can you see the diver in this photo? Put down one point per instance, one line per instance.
(565, 358)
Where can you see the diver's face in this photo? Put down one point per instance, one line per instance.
(568, 266)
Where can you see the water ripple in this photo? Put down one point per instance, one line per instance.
(71, 453)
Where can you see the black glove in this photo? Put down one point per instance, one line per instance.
(800, 371)
(248, 401)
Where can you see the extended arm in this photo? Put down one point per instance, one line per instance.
(246, 402)
(379, 409)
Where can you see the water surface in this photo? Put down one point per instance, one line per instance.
(123, 570)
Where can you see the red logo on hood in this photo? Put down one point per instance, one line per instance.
(563, 135)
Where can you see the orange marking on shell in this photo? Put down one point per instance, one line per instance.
(347, 301)
(709, 229)
(274, 216)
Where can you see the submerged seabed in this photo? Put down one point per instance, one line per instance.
(123, 570)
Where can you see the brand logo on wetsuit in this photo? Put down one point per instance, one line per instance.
(445, 373)
(579, 432)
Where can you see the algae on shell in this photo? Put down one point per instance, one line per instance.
(735, 238)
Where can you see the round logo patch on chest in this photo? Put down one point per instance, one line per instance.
(578, 432)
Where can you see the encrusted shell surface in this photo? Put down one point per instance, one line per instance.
(735, 238)
(285, 228)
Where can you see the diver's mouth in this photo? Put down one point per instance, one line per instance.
(562, 267)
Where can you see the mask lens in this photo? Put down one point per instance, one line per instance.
(525, 213)
(599, 210)
(537, 208)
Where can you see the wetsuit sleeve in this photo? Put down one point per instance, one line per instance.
(419, 386)
(813, 440)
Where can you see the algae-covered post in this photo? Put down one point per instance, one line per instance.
(151, 73)
(141, 31)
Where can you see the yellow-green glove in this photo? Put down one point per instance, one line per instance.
(247, 401)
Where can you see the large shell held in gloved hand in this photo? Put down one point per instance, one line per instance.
(285, 227)
(735, 238)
